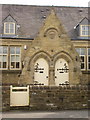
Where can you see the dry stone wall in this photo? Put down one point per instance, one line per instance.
(50, 98)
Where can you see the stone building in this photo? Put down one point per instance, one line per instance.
(44, 45)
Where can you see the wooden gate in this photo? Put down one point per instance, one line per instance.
(19, 96)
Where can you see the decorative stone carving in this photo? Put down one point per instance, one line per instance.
(51, 33)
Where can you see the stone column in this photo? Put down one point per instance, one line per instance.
(51, 76)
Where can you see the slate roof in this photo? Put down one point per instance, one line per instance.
(31, 18)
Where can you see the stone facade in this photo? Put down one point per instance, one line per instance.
(48, 45)
(51, 44)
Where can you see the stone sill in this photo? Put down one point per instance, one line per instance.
(86, 72)
(11, 71)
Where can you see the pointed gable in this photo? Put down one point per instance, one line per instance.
(9, 18)
(52, 34)
(84, 21)
(53, 24)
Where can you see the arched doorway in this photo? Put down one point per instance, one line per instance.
(61, 72)
(41, 70)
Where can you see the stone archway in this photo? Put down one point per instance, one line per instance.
(64, 65)
(39, 66)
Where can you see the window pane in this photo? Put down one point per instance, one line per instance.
(7, 25)
(82, 51)
(17, 50)
(86, 32)
(88, 51)
(12, 58)
(4, 49)
(83, 33)
(0, 58)
(11, 28)
(4, 65)
(0, 65)
(7, 31)
(17, 58)
(89, 59)
(4, 58)
(11, 25)
(83, 27)
(86, 28)
(12, 50)
(17, 65)
(6, 28)
(1, 49)
(82, 65)
(82, 58)
(89, 66)
(12, 64)
(89, 27)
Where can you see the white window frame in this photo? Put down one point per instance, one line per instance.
(9, 28)
(87, 60)
(84, 30)
(6, 60)
(83, 56)
(15, 59)
(84, 61)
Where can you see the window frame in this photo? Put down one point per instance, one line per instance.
(84, 30)
(6, 57)
(87, 60)
(15, 59)
(9, 28)
(8, 61)
(83, 62)
(83, 56)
